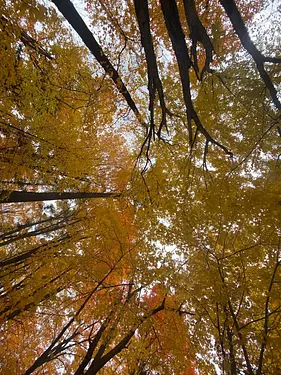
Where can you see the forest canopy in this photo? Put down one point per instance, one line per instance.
(140, 187)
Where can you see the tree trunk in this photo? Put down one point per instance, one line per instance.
(68, 10)
(7, 196)
(240, 28)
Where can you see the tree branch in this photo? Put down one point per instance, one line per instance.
(173, 24)
(154, 81)
(72, 16)
(243, 34)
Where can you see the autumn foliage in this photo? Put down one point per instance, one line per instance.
(140, 187)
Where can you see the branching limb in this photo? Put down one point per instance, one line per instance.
(243, 34)
(154, 81)
(27, 39)
(72, 16)
(173, 24)
(198, 33)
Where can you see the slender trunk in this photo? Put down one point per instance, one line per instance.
(20, 285)
(236, 326)
(51, 228)
(27, 39)
(16, 259)
(233, 367)
(266, 318)
(54, 348)
(16, 311)
(91, 349)
(7, 196)
(100, 361)
(7, 235)
(154, 81)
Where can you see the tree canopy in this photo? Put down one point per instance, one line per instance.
(140, 187)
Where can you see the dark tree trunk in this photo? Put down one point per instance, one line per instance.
(18, 310)
(198, 33)
(7, 235)
(7, 196)
(177, 37)
(20, 258)
(242, 32)
(50, 228)
(154, 81)
(72, 16)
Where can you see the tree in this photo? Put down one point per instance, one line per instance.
(24, 196)
(171, 107)
(229, 235)
(184, 61)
